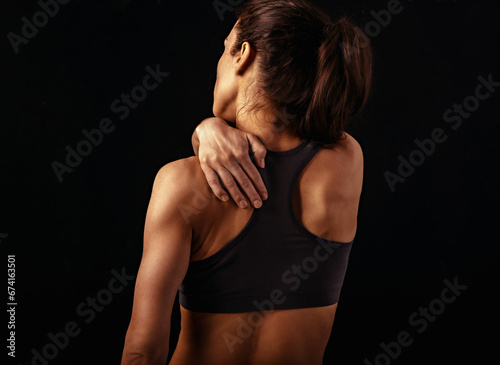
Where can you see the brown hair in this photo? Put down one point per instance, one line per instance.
(319, 71)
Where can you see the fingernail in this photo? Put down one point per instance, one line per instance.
(257, 204)
(264, 196)
(243, 204)
(263, 163)
(224, 197)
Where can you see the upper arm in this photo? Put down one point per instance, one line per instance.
(166, 254)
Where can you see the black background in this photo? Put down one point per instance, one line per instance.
(440, 224)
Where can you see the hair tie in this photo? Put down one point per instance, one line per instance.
(328, 30)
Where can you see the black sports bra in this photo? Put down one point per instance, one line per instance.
(274, 262)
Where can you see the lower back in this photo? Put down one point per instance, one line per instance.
(291, 337)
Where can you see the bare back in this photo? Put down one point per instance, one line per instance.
(325, 202)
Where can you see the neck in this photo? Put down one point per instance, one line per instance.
(271, 131)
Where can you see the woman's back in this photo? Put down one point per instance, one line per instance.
(287, 74)
(325, 202)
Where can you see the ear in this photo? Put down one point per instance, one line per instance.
(244, 58)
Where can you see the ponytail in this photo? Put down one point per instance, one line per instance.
(342, 82)
(317, 71)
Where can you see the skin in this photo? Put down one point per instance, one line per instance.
(325, 202)
(225, 153)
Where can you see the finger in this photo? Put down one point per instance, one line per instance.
(245, 181)
(232, 188)
(214, 183)
(256, 182)
(259, 151)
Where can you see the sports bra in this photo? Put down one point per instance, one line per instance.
(274, 262)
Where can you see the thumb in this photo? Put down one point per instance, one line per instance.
(259, 151)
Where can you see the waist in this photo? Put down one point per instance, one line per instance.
(260, 337)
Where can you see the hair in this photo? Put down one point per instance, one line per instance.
(319, 71)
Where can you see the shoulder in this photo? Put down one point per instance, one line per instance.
(178, 174)
(347, 151)
(330, 189)
(340, 168)
(178, 186)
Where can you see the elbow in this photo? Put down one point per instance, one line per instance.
(140, 353)
(138, 358)
(131, 357)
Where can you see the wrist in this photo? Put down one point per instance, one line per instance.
(207, 124)
(210, 126)
(211, 122)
